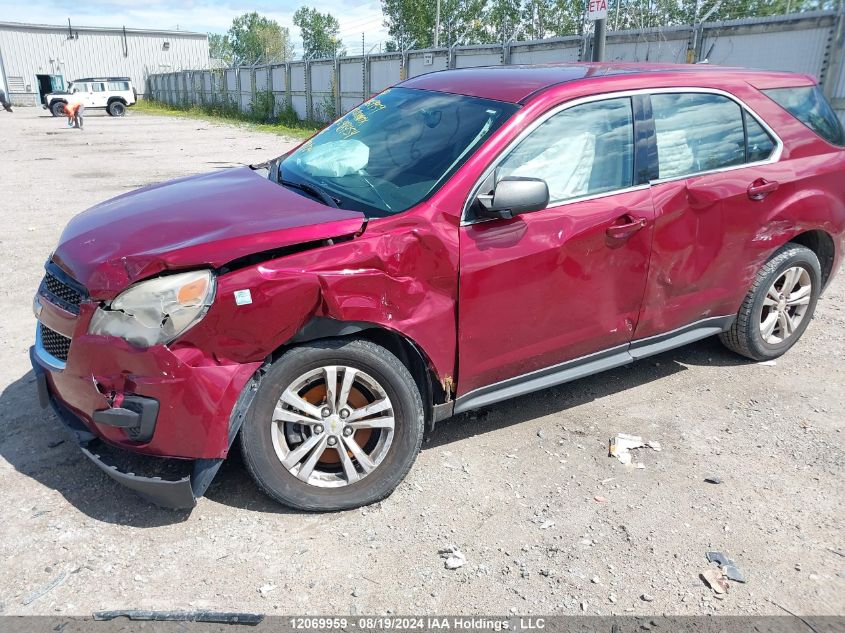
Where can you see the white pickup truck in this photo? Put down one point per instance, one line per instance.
(114, 94)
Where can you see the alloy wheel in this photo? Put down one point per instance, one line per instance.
(332, 426)
(785, 305)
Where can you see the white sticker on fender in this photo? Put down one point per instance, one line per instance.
(243, 297)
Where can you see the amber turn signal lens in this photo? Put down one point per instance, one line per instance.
(192, 293)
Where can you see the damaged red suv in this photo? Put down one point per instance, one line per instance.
(462, 238)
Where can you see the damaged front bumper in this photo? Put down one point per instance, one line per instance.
(168, 482)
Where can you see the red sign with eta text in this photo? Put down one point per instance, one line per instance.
(596, 9)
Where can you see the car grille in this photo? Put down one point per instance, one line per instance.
(54, 343)
(62, 293)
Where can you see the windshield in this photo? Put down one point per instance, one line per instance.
(394, 150)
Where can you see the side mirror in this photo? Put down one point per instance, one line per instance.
(513, 196)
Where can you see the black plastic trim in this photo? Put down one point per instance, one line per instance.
(591, 364)
(55, 270)
(543, 378)
(137, 416)
(325, 327)
(177, 495)
(43, 390)
(117, 416)
(646, 148)
(682, 336)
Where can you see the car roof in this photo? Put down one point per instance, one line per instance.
(515, 84)
(101, 79)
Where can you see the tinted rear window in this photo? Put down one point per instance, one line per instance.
(808, 105)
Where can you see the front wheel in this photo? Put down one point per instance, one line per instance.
(779, 306)
(336, 424)
(57, 109)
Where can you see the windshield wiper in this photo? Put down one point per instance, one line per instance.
(314, 190)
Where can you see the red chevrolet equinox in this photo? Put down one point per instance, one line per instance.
(462, 238)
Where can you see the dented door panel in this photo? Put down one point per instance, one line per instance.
(549, 286)
(711, 239)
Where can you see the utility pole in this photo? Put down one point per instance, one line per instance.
(597, 13)
(599, 37)
(437, 27)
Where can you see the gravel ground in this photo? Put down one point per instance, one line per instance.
(546, 521)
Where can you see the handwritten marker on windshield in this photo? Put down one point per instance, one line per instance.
(243, 297)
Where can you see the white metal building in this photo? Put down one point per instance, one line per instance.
(36, 58)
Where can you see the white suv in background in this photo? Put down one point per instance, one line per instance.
(114, 94)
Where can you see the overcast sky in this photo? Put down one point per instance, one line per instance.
(215, 16)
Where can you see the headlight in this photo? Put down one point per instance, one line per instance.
(156, 311)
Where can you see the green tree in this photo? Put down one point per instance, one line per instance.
(254, 38)
(320, 33)
(220, 48)
(412, 23)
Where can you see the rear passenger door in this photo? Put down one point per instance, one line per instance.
(717, 180)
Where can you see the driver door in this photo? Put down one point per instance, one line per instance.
(558, 284)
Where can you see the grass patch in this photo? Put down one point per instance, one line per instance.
(286, 124)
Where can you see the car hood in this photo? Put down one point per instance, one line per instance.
(206, 220)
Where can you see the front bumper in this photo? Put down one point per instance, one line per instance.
(171, 483)
(158, 420)
(195, 394)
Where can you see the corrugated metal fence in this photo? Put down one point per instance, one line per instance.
(812, 43)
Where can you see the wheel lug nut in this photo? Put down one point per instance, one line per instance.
(347, 431)
(326, 412)
(332, 441)
(344, 413)
(318, 428)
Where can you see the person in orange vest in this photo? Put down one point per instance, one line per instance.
(74, 110)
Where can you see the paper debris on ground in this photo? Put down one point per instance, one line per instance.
(623, 443)
(727, 568)
(453, 557)
(716, 580)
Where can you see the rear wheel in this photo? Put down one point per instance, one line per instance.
(336, 424)
(779, 306)
(116, 108)
(57, 108)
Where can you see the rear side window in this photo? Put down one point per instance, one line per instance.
(808, 105)
(760, 144)
(99, 87)
(584, 150)
(118, 85)
(697, 132)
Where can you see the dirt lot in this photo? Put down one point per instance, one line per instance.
(514, 487)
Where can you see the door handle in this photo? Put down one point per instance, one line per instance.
(626, 229)
(761, 188)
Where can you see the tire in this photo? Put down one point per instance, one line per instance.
(379, 377)
(116, 108)
(57, 108)
(747, 335)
